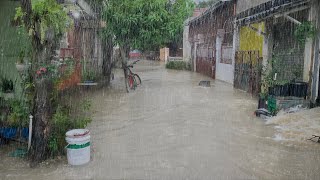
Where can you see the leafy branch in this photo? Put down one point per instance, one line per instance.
(304, 31)
(50, 16)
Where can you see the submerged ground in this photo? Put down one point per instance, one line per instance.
(170, 128)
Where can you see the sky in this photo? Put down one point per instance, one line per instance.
(198, 0)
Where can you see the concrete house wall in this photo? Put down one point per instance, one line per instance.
(208, 38)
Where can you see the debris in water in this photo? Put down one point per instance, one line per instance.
(292, 109)
(314, 137)
(297, 126)
(263, 113)
(204, 83)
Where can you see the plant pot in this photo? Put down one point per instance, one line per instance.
(21, 67)
(280, 90)
(285, 90)
(299, 89)
(272, 105)
(262, 103)
(275, 90)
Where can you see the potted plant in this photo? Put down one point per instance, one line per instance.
(89, 77)
(281, 88)
(17, 120)
(299, 89)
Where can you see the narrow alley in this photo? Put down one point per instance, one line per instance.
(171, 128)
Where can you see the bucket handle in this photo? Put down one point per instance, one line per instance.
(77, 135)
(66, 146)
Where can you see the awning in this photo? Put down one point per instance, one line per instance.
(269, 9)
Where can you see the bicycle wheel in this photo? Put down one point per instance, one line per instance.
(131, 82)
(138, 79)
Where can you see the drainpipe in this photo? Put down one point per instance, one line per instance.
(315, 75)
(30, 132)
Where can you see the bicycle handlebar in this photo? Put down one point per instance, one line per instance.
(136, 61)
(131, 65)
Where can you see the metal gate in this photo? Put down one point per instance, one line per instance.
(247, 71)
(205, 61)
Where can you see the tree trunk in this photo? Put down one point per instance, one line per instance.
(124, 54)
(42, 111)
(107, 49)
(41, 125)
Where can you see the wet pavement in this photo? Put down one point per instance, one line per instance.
(171, 128)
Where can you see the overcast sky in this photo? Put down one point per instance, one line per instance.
(198, 0)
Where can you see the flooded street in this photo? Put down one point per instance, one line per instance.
(171, 128)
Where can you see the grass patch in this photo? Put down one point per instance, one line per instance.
(178, 65)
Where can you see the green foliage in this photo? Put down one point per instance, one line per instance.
(19, 113)
(304, 31)
(64, 120)
(275, 66)
(7, 85)
(178, 65)
(49, 14)
(145, 24)
(89, 75)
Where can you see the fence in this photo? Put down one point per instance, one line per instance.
(247, 72)
(205, 60)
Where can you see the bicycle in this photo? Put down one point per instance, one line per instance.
(134, 79)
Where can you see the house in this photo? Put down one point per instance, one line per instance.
(82, 42)
(186, 44)
(211, 39)
(265, 34)
(234, 41)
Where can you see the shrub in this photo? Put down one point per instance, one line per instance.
(178, 65)
(63, 120)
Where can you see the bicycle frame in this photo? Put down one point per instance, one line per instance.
(131, 80)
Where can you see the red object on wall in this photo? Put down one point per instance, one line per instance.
(72, 52)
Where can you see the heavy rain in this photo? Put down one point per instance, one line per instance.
(159, 89)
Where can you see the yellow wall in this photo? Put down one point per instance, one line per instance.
(250, 39)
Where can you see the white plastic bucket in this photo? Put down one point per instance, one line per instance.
(78, 148)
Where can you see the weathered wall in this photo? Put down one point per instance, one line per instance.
(164, 54)
(243, 5)
(186, 44)
(224, 72)
(250, 39)
(202, 35)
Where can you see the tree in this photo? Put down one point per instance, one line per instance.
(180, 10)
(44, 22)
(144, 24)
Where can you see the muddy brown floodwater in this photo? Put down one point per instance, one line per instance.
(170, 128)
